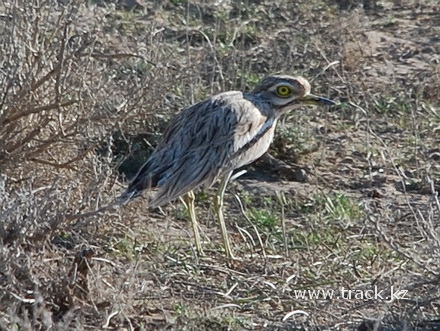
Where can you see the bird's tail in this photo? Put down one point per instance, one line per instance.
(127, 196)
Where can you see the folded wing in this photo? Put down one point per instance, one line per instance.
(202, 143)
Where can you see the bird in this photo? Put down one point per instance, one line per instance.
(207, 141)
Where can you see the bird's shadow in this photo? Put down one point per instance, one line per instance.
(270, 169)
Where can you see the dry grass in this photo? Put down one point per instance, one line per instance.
(86, 90)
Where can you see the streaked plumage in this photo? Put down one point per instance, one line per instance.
(210, 139)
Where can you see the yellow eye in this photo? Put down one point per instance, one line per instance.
(283, 90)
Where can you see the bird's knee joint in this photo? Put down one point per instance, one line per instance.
(218, 200)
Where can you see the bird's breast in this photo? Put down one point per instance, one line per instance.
(256, 146)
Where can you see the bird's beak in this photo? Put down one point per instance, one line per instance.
(316, 100)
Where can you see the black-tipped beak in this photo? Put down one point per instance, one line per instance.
(312, 99)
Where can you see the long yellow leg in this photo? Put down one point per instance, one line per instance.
(218, 205)
(188, 201)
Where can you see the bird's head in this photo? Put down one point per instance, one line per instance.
(284, 93)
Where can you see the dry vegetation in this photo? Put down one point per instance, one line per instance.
(86, 89)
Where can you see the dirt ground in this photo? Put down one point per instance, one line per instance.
(339, 229)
